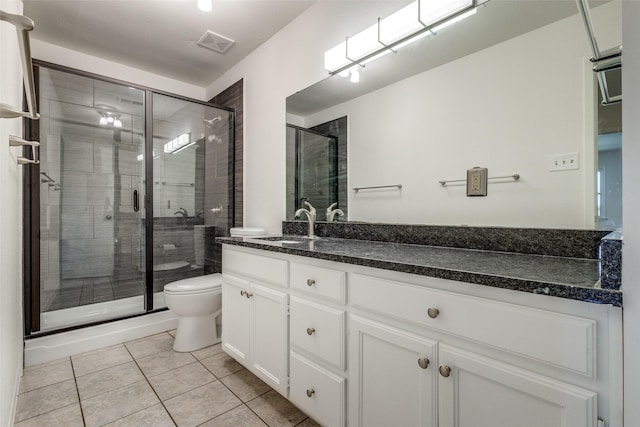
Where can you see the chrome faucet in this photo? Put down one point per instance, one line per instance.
(331, 213)
(183, 212)
(311, 216)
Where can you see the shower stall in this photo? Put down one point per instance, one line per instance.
(132, 188)
(312, 163)
(317, 166)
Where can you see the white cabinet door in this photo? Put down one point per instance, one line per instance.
(270, 336)
(255, 329)
(392, 376)
(478, 392)
(236, 319)
(317, 391)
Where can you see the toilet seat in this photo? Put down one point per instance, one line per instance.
(195, 285)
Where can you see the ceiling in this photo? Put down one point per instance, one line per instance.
(160, 36)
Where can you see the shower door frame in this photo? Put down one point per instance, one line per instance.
(31, 202)
(298, 163)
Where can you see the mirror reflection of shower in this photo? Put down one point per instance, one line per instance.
(317, 167)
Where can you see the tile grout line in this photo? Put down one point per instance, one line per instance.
(242, 403)
(149, 384)
(75, 382)
(49, 385)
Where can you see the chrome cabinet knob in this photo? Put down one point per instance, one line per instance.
(310, 392)
(423, 362)
(243, 293)
(310, 331)
(311, 282)
(433, 312)
(248, 295)
(445, 371)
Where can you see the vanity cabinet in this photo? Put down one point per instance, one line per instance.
(468, 388)
(369, 347)
(256, 322)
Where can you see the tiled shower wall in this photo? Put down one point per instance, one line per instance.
(232, 97)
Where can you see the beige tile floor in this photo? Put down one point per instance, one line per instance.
(145, 383)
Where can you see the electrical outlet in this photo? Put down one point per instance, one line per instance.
(563, 162)
(477, 181)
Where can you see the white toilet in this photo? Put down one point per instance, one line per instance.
(197, 302)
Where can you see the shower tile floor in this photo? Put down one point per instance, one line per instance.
(77, 292)
(145, 383)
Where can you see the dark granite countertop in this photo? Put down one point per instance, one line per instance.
(572, 278)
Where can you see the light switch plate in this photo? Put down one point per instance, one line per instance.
(563, 162)
(477, 181)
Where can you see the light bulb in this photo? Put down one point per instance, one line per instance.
(110, 119)
(205, 5)
(117, 123)
(103, 120)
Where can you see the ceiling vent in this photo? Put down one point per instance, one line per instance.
(215, 42)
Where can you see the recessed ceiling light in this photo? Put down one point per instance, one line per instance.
(205, 5)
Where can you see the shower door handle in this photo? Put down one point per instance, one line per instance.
(136, 201)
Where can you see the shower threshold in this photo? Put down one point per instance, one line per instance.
(97, 312)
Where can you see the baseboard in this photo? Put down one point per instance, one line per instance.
(14, 395)
(57, 346)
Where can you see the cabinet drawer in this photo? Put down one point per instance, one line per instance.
(561, 340)
(318, 330)
(263, 268)
(318, 392)
(318, 281)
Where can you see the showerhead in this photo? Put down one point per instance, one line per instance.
(210, 122)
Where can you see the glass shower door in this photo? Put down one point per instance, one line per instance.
(192, 189)
(92, 219)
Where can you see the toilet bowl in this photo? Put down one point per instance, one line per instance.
(197, 302)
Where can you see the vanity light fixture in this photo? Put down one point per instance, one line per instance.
(412, 22)
(205, 5)
(178, 144)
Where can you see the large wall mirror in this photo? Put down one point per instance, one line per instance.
(509, 89)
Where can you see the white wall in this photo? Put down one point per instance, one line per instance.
(631, 209)
(62, 56)
(507, 108)
(289, 61)
(11, 220)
